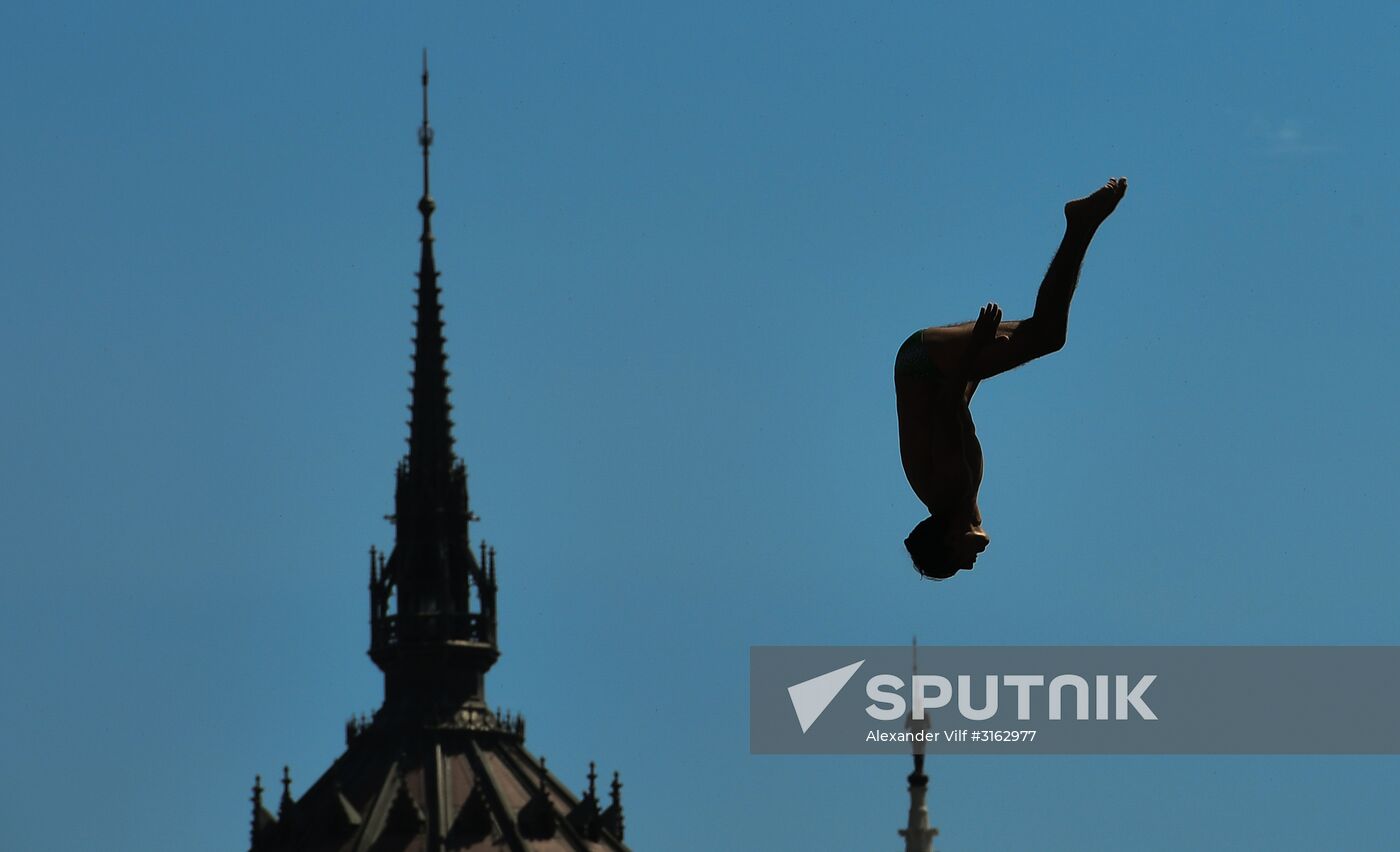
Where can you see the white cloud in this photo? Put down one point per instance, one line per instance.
(1288, 138)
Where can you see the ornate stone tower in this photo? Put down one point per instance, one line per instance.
(435, 769)
(918, 834)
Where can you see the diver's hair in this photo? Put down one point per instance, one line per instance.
(927, 549)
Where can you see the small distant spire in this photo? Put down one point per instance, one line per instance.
(918, 834)
(912, 724)
(612, 818)
(587, 815)
(257, 810)
(285, 806)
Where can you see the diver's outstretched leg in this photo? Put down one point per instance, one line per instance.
(1082, 219)
(1045, 331)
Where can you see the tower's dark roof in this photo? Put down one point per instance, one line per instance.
(450, 789)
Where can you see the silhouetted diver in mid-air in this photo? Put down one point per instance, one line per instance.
(936, 373)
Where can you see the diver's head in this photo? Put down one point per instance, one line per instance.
(940, 547)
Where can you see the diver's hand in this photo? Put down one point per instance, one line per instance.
(985, 330)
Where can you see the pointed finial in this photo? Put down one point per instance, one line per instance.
(286, 803)
(425, 142)
(592, 781)
(613, 821)
(257, 808)
(425, 139)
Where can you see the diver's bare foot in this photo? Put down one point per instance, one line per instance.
(1090, 211)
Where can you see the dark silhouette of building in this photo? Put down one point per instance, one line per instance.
(435, 769)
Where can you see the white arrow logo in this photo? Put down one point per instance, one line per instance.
(810, 698)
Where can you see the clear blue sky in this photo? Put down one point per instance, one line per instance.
(680, 246)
